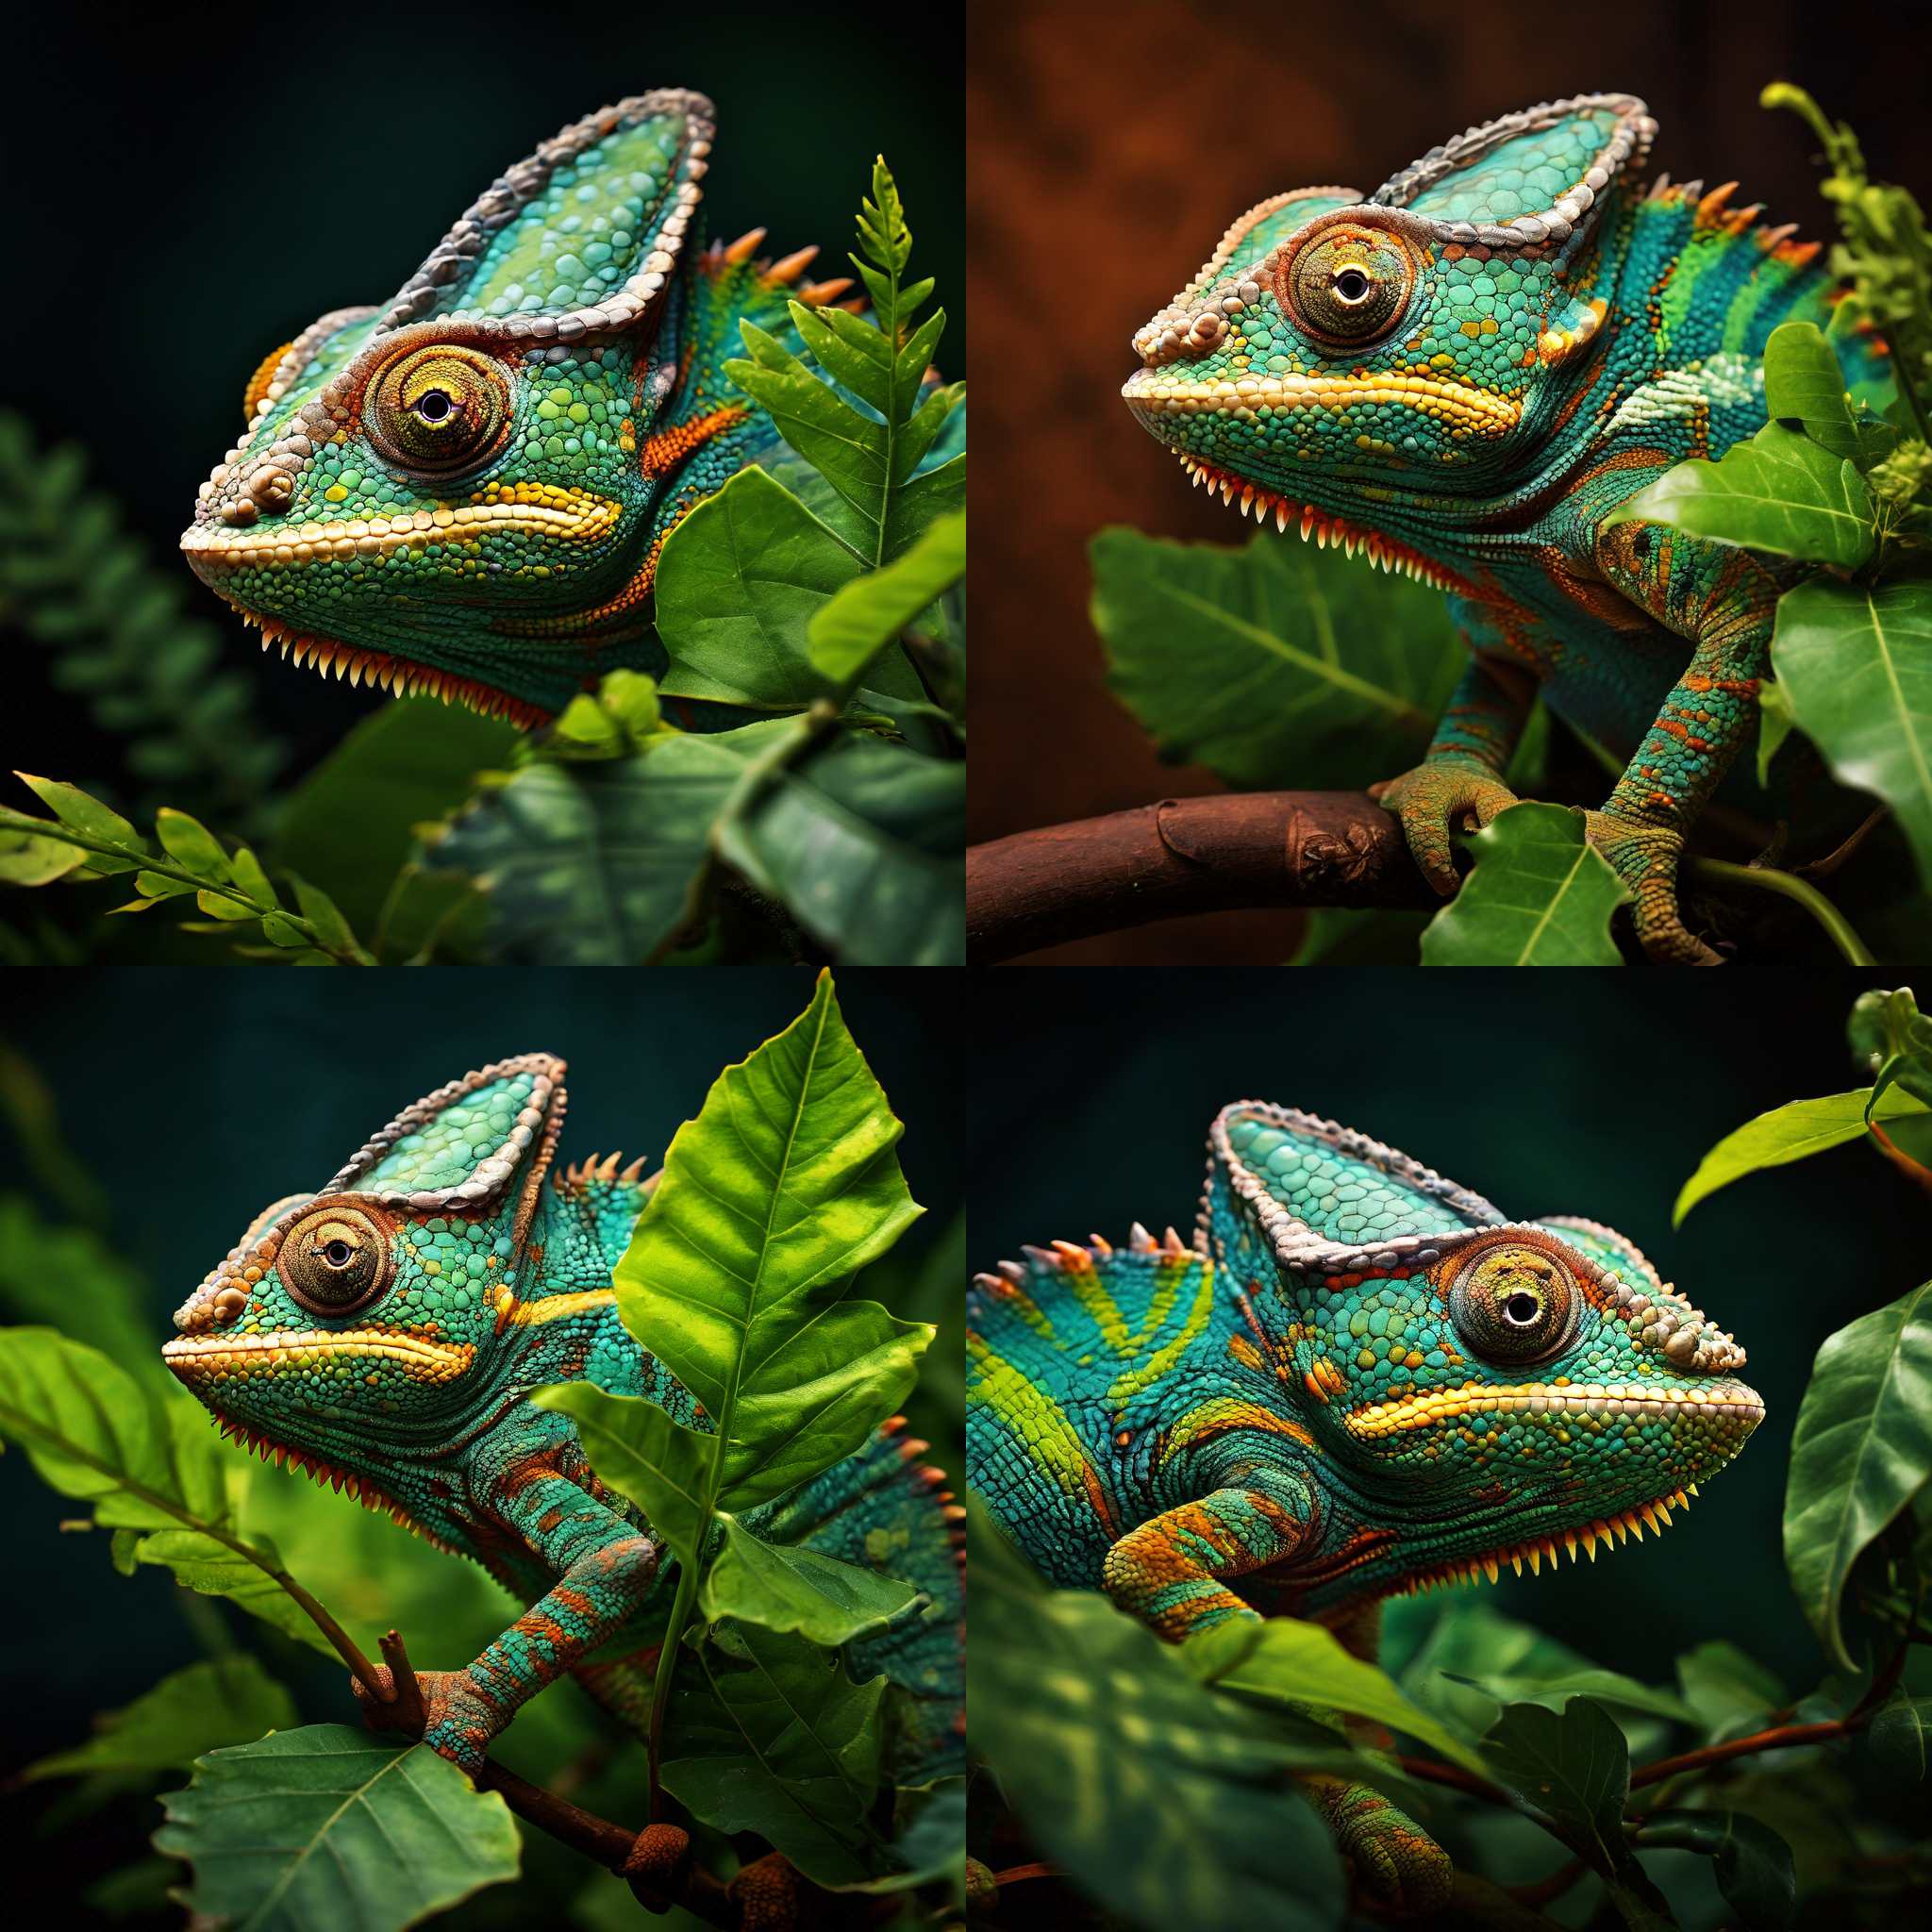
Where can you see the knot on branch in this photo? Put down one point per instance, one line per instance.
(659, 1866)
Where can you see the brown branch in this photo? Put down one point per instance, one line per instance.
(1218, 853)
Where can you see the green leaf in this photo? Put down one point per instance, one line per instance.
(209, 1567)
(1780, 492)
(1541, 895)
(41, 1262)
(351, 824)
(191, 844)
(1606, 1686)
(1893, 1039)
(1730, 1691)
(229, 1700)
(779, 1587)
(1273, 665)
(1861, 1452)
(1753, 1863)
(740, 1269)
(27, 858)
(778, 1739)
(1804, 386)
(1854, 662)
(331, 929)
(329, 1827)
(868, 613)
(1574, 1766)
(74, 807)
(1169, 1801)
(1293, 1662)
(1788, 1133)
(1900, 1737)
(1775, 721)
(635, 1448)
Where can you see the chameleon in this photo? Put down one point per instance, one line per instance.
(1464, 377)
(466, 489)
(384, 1335)
(1358, 1380)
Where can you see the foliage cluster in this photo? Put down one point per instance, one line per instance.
(1160, 1777)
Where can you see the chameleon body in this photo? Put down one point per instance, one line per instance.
(1464, 376)
(1360, 1379)
(465, 491)
(385, 1334)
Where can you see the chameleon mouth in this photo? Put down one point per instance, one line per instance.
(1726, 1411)
(197, 1359)
(1155, 393)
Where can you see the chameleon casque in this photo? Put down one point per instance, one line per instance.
(1360, 1380)
(465, 491)
(1464, 376)
(384, 1334)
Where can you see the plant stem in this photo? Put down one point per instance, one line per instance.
(681, 1601)
(1837, 927)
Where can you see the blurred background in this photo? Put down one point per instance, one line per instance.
(1592, 1093)
(145, 1118)
(1113, 140)
(194, 189)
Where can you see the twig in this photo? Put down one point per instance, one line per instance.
(1765, 878)
(1823, 868)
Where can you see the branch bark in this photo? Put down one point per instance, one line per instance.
(1217, 854)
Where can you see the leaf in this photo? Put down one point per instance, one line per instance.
(635, 1448)
(778, 1739)
(1574, 1766)
(350, 825)
(826, 1601)
(1804, 386)
(740, 1269)
(1893, 1039)
(1861, 1452)
(1901, 1736)
(191, 844)
(41, 1262)
(1273, 665)
(26, 858)
(1780, 492)
(229, 1700)
(327, 1826)
(868, 613)
(1294, 1662)
(1541, 895)
(1774, 723)
(1788, 1133)
(1730, 1691)
(332, 932)
(1606, 1686)
(1169, 1802)
(1854, 662)
(1753, 1863)
(209, 1567)
(864, 842)
(75, 808)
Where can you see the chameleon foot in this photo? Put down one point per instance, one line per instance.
(1396, 1862)
(1646, 858)
(456, 1720)
(1439, 797)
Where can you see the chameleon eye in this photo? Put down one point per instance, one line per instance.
(1514, 1302)
(1347, 285)
(337, 1259)
(439, 409)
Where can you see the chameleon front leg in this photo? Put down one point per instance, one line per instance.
(1724, 600)
(605, 1568)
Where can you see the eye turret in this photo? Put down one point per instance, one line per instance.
(1514, 1302)
(1347, 283)
(439, 409)
(337, 1259)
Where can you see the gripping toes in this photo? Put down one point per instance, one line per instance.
(1395, 1860)
(460, 1720)
(1646, 858)
(1436, 799)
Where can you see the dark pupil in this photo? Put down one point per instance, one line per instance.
(433, 406)
(1352, 285)
(1522, 1309)
(337, 1253)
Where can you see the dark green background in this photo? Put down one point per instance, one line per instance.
(194, 186)
(1592, 1093)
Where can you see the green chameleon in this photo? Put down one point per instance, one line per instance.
(465, 491)
(385, 1334)
(1465, 377)
(1360, 1380)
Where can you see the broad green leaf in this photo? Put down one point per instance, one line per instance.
(612, 721)
(1275, 664)
(1574, 1766)
(1293, 1662)
(332, 931)
(1861, 1450)
(1730, 1691)
(1900, 1737)
(229, 1700)
(1893, 1039)
(782, 1588)
(868, 613)
(738, 1273)
(74, 807)
(326, 1826)
(1780, 492)
(28, 860)
(1787, 1133)
(211, 1568)
(1541, 895)
(1804, 386)
(773, 1737)
(1753, 1863)
(350, 825)
(864, 842)
(190, 843)
(1171, 1802)
(1608, 1687)
(1854, 662)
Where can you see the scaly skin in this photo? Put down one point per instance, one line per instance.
(465, 491)
(384, 1335)
(1359, 1381)
(1465, 375)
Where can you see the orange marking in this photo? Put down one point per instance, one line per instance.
(663, 451)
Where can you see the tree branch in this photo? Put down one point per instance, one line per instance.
(1218, 853)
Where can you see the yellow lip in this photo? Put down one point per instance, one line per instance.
(1725, 1404)
(195, 1357)
(1154, 392)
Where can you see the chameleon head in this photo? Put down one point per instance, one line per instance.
(1495, 1389)
(444, 495)
(1332, 348)
(377, 1300)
